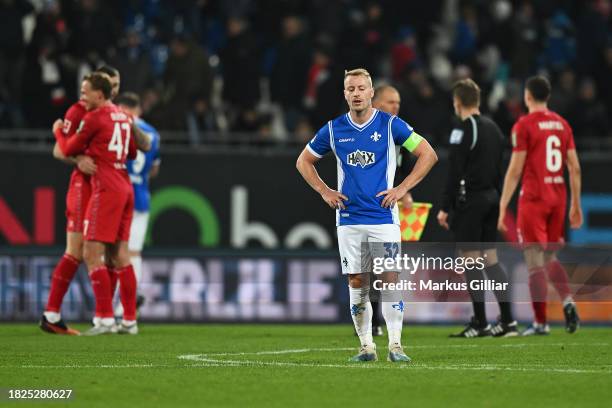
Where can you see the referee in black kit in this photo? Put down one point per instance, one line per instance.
(472, 196)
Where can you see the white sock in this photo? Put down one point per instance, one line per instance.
(393, 312)
(361, 312)
(96, 321)
(53, 317)
(107, 321)
(137, 265)
(119, 310)
(128, 323)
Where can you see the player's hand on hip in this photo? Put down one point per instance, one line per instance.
(58, 124)
(575, 217)
(443, 219)
(501, 221)
(407, 200)
(392, 196)
(334, 198)
(86, 164)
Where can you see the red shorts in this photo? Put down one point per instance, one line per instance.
(109, 215)
(541, 223)
(79, 191)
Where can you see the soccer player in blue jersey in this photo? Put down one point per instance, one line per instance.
(363, 142)
(145, 166)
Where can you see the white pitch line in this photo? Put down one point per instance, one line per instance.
(237, 363)
(207, 361)
(90, 366)
(409, 347)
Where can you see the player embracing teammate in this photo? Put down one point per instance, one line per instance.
(104, 134)
(78, 197)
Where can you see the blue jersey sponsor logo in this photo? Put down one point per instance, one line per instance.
(359, 158)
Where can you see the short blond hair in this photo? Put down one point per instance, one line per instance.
(358, 71)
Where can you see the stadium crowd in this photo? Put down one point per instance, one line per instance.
(272, 69)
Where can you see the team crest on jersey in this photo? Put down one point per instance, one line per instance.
(359, 158)
(376, 136)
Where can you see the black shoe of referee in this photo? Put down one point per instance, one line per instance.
(572, 321)
(502, 329)
(473, 329)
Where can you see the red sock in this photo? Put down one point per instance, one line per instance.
(100, 282)
(538, 287)
(60, 282)
(558, 277)
(114, 278)
(127, 291)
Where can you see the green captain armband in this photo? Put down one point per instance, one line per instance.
(413, 141)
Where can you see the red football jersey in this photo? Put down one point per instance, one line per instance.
(546, 137)
(72, 118)
(105, 135)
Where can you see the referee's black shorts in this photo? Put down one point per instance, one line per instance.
(475, 221)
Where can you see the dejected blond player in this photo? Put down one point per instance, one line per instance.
(363, 142)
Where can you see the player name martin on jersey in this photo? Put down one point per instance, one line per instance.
(366, 163)
(546, 137)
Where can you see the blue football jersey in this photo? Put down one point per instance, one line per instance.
(140, 167)
(366, 160)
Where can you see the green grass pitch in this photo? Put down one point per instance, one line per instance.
(305, 366)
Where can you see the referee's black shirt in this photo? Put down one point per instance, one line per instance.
(476, 150)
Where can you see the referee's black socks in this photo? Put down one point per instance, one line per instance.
(478, 297)
(498, 274)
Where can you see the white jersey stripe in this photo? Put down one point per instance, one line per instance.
(474, 133)
(339, 170)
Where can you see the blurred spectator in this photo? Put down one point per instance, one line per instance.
(187, 83)
(466, 35)
(526, 45)
(593, 33)
(560, 46)
(324, 97)
(376, 38)
(403, 53)
(49, 84)
(500, 28)
(511, 108)
(424, 108)
(589, 118)
(241, 69)
(133, 63)
(288, 80)
(50, 26)
(12, 54)
(94, 30)
(563, 96)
